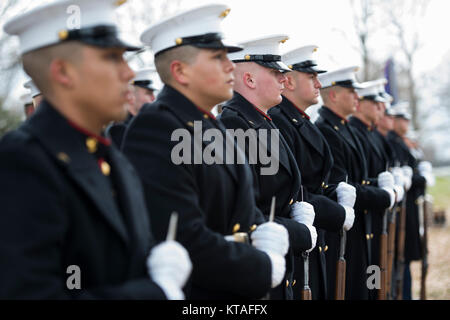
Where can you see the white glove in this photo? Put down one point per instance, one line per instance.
(313, 233)
(398, 176)
(391, 195)
(349, 218)
(346, 195)
(278, 268)
(273, 239)
(407, 175)
(425, 167)
(386, 180)
(426, 170)
(303, 212)
(169, 267)
(431, 181)
(400, 191)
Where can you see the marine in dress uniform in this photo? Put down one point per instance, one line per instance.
(35, 93)
(364, 121)
(313, 158)
(413, 245)
(284, 184)
(215, 201)
(144, 92)
(84, 207)
(28, 106)
(338, 93)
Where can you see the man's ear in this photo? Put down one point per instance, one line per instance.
(178, 71)
(290, 82)
(62, 73)
(249, 80)
(332, 95)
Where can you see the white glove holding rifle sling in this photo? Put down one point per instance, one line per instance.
(386, 182)
(169, 267)
(273, 239)
(303, 212)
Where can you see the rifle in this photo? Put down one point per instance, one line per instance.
(426, 209)
(383, 258)
(401, 250)
(341, 268)
(306, 291)
(390, 252)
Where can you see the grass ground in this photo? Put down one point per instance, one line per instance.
(438, 279)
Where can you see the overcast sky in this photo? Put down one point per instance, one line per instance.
(326, 23)
(322, 22)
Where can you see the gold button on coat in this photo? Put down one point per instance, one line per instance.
(62, 156)
(91, 144)
(106, 168)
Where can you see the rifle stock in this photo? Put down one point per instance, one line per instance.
(306, 291)
(401, 251)
(341, 266)
(427, 209)
(340, 279)
(306, 294)
(383, 266)
(390, 253)
(383, 257)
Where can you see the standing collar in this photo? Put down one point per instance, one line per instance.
(331, 115)
(209, 114)
(181, 105)
(247, 109)
(361, 123)
(265, 115)
(287, 101)
(104, 141)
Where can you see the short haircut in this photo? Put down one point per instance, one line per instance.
(324, 92)
(186, 54)
(37, 63)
